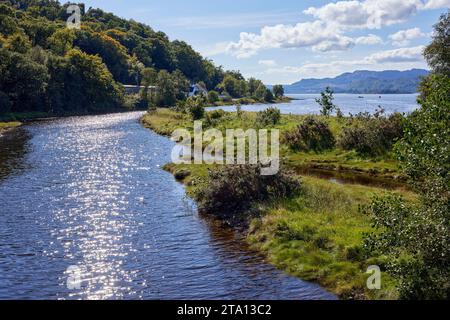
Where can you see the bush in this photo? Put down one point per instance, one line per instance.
(416, 237)
(182, 174)
(312, 134)
(233, 189)
(216, 114)
(195, 106)
(372, 136)
(213, 96)
(268, 117)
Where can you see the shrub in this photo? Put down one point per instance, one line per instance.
(195, 106)
(268, 117)
(182, 174)
(416, 237)
(312, 134)
(372, 135)
(233, 189)
(216, 114)
(213, 96)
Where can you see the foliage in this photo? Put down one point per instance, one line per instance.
(270, 116)
(195, 106)
(260, 92)
(278, 91)
(372, 135)
(417, 238)
(213, 96)
(36, 30)
(326, 102)
(437, 52)
(312, 134)
(166, 95)
(234, 188)
(268, 96)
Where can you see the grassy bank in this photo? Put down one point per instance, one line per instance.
(316, 235)
(5, 126)
(165, 121)
(244, 101)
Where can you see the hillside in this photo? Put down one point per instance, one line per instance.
(51, 69)
(363, 82)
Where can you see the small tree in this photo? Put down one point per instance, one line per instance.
(213, 96)
(278, 91)
(437, 52)
(196, 107)
(268, 96)
(326, 102)
(260, 92)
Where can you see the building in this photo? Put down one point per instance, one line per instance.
(196, 90)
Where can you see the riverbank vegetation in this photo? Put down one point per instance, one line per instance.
(330, 233)
(48, 69)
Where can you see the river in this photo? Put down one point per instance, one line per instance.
(348, 103)
(87, 213)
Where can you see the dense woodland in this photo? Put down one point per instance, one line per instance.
(48, 67)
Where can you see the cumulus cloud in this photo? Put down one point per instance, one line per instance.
(318, 35)
(403, 37)
(327, 33)
(372, 14)
(398, 59)
(412, 54)
(370, 39)
(306, 34)
(436, 4)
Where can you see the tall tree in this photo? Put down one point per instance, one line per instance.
(437, 52)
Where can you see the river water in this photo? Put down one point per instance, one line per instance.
(86, 212)
(348, 103)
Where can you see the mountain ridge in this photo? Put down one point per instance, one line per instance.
(363, 82)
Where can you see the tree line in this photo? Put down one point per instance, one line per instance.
(48, 67)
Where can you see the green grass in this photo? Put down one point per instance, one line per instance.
(317, 235)
(165, 121)
(4, 126)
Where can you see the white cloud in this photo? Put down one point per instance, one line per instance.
(399, 59)
(318, 35)
(267, 63)
(304, 34)
(370, 39)
(403, 37)
(436, 4)
(412, 54)
(371, 14)
(327, 33)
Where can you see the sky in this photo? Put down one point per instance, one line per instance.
(284, 41)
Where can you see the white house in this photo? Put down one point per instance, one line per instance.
(197, 89)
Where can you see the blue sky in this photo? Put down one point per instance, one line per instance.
(285, 41)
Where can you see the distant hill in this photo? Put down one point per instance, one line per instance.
(363, 82)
